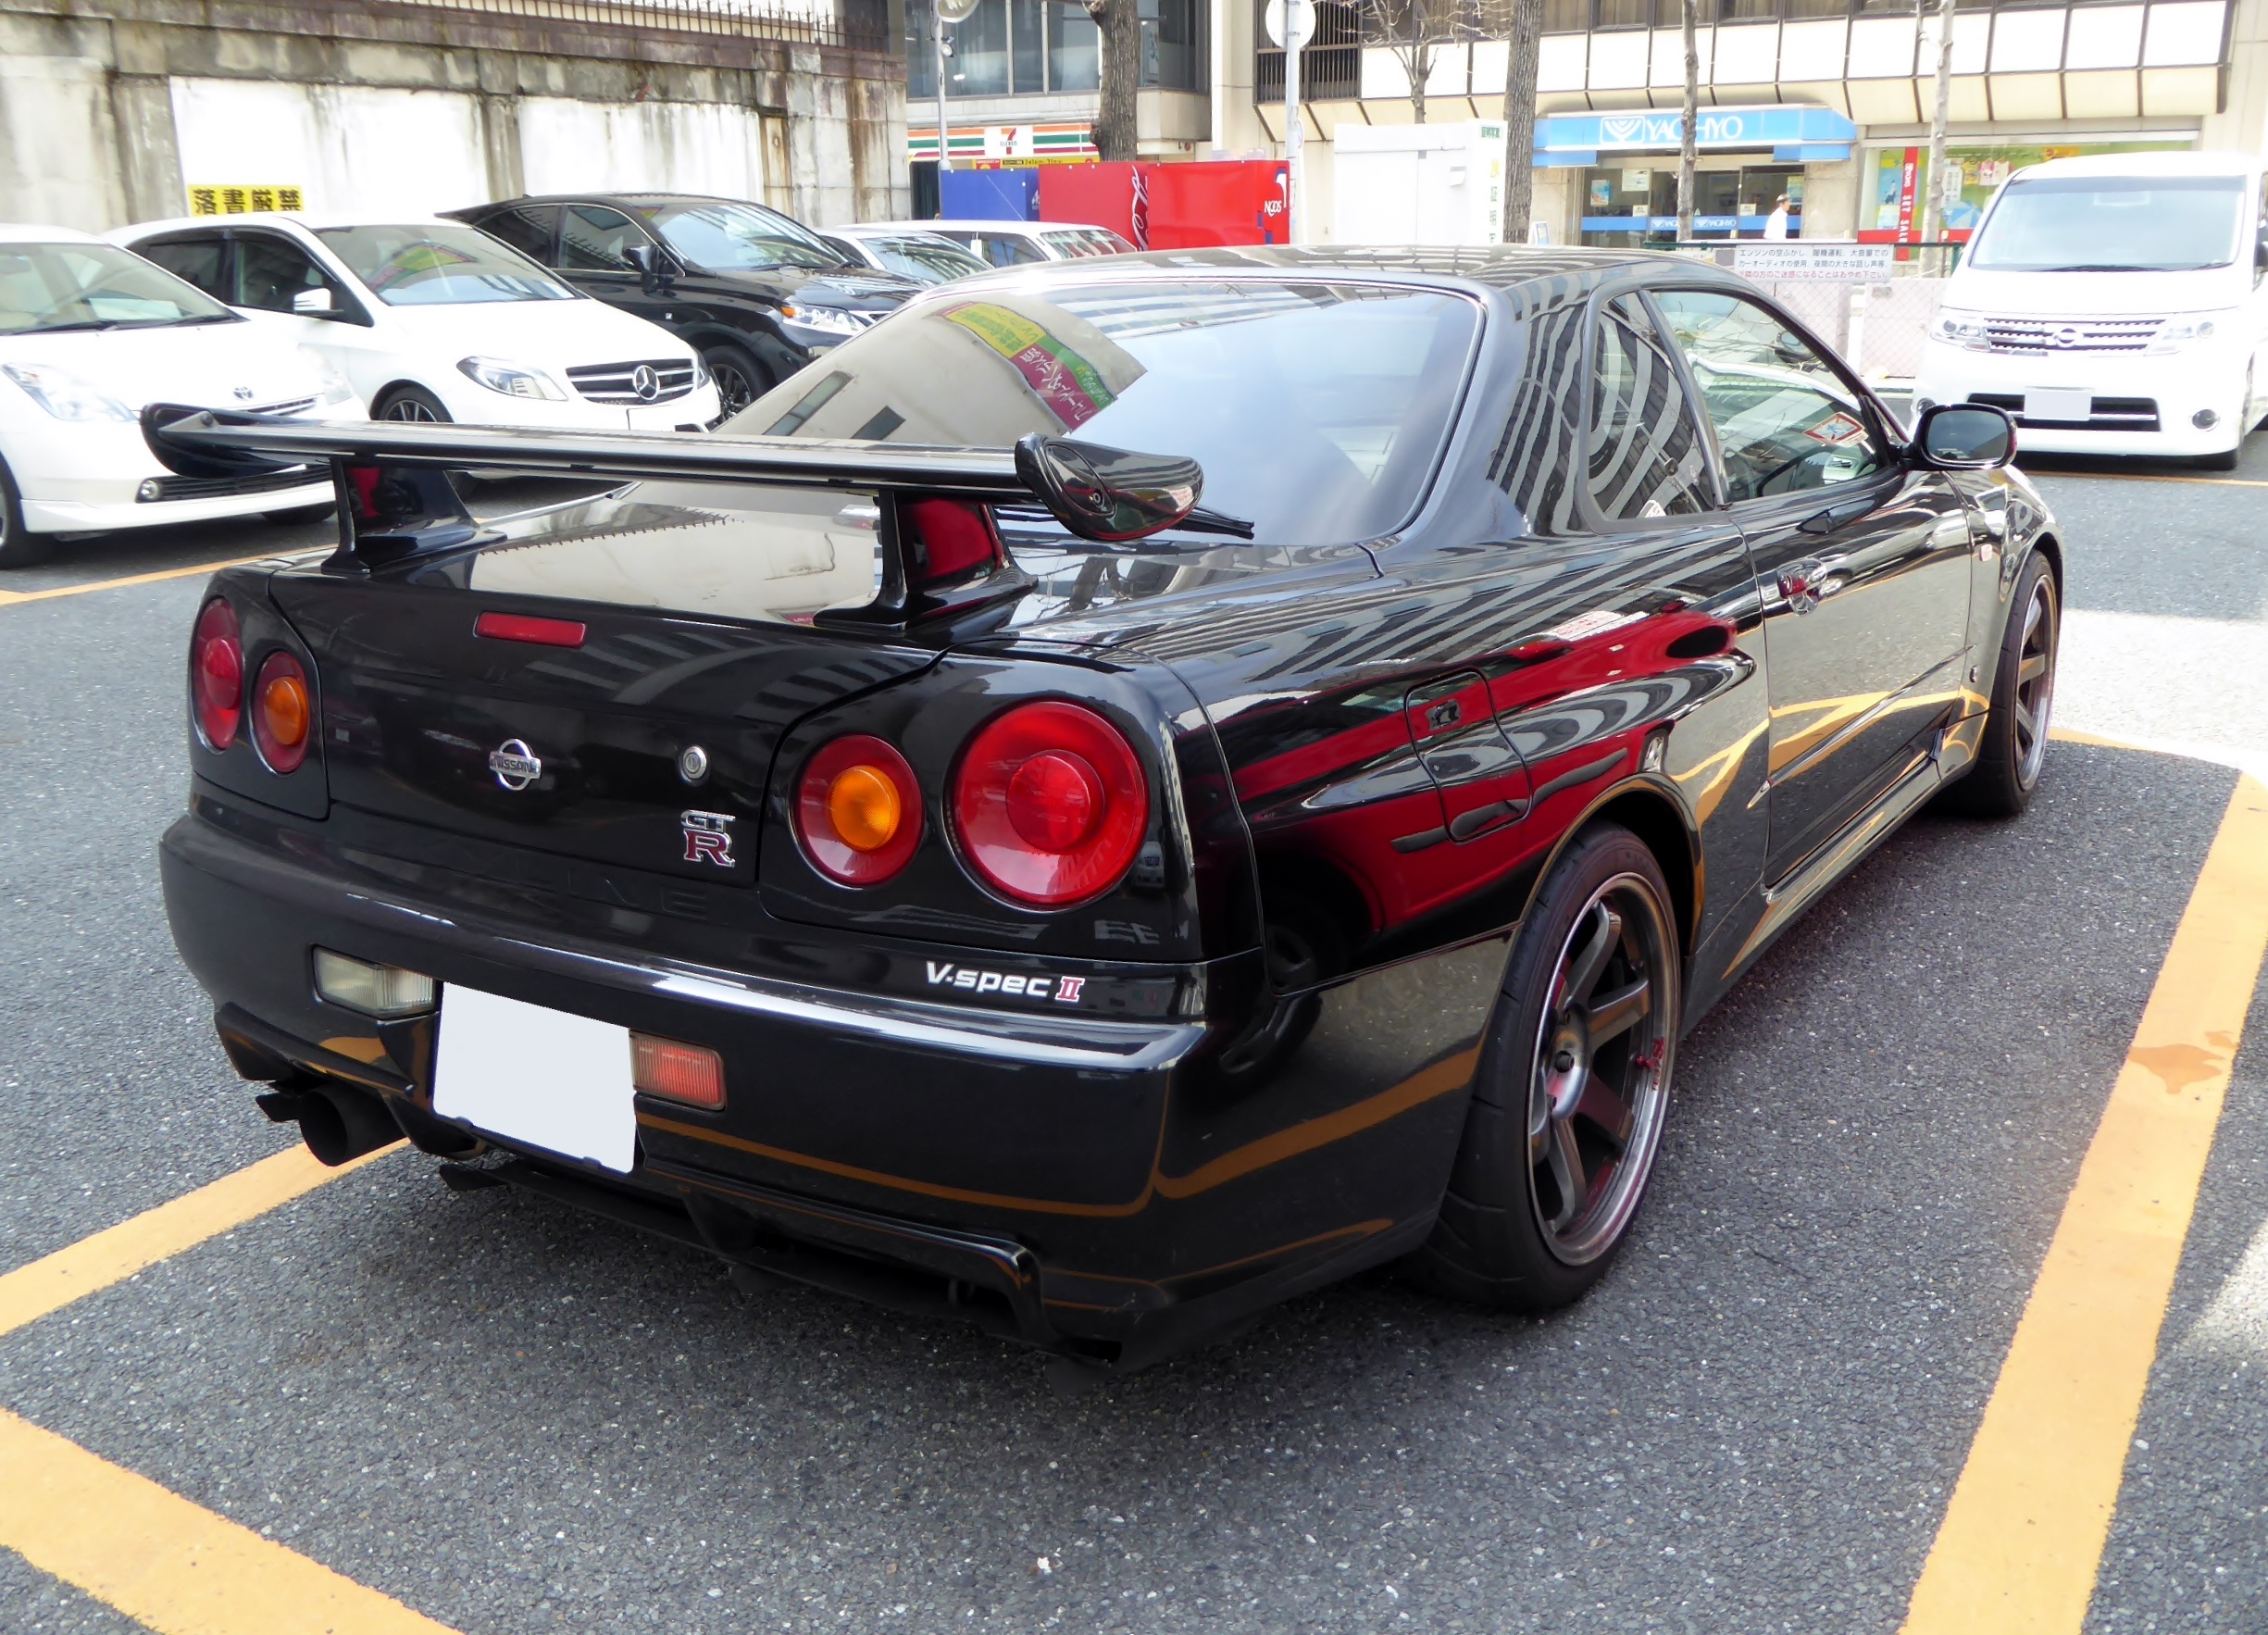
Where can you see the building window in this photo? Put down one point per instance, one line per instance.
(1025, 48)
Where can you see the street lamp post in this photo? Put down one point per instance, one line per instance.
(943, 12)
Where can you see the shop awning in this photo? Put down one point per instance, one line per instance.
(1792, 134)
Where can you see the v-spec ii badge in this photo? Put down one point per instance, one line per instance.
(968, 979)
(708, 837)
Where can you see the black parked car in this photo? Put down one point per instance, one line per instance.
(758, 292)
(907, 844)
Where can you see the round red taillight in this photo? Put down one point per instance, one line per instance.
(858, 810)
(282, 713)
(1051, 804)
(216, 674)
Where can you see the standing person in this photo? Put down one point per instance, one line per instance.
(1775, 224)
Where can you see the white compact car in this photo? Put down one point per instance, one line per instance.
(2114, 306)
(1013, 243)
(435, 320)
(90, 334)
(922, 256)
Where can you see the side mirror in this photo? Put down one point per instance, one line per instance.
(2259, 250)
(1106, 493)
(314, 303)
(653, 268)
(1964, 437)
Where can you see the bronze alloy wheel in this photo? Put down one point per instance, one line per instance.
(1601, 1079)
(2034, 679)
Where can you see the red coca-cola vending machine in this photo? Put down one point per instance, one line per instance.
(1172, 206)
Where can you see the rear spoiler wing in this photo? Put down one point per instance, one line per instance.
(395, 499)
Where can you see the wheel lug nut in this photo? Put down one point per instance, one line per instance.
(1564, 1062)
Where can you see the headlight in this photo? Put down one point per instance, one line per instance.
(64, 395)
(2177, 334)
(1962, 328)
(831, 321)
(701, 371)
(511, 378)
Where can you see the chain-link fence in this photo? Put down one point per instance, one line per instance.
(1877, 327)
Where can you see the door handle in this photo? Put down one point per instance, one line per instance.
(1804, 584)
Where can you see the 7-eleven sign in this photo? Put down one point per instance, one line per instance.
(1010, 141)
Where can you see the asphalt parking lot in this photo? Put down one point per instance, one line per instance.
(510, 1419)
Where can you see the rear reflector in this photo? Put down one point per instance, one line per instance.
(374, 990)
(676, 1072)
(520, 626)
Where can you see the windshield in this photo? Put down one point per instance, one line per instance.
(438, 265)
(739, 238)
(2112, 224)
(924, 258)
(45, 288)
(1317, 410)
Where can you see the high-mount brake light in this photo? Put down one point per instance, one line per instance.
(282, 713)
(948, 540)
(523, 627)
(858, 810)
(216, 674)
(1051, 804)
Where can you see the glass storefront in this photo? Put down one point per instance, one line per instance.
(1897, 182)
(1634, 200)
(1023, 47)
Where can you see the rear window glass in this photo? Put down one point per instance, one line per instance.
(1317, 410)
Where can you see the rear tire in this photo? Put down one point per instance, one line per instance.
(2014, 747)
(18, 548)
(1573, 1088)
(413, 404)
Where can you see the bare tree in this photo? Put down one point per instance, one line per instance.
(1120, 22)
(1525, 21)
(1417, 32)
(1933, 203)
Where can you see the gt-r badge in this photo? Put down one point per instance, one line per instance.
(515, 763)
(708, 837)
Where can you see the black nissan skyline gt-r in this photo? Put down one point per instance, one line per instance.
(1131, 791)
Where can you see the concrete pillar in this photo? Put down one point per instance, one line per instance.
(507, 178)
(149, 154)
(1831, 200)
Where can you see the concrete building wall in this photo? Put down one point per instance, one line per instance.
(110, 119)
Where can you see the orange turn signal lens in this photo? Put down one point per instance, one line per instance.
(282, 713)
(863, 804)
(676, 1072)
(858, 810)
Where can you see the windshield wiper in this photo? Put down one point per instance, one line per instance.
(2111, 267)
(84, 323)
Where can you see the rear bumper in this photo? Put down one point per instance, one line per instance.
(1086, 1184)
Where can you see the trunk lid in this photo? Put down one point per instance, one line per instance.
(694, 605)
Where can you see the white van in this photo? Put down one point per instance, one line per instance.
(2114, 306)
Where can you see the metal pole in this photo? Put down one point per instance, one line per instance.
(1295, 134)
(1931, 216)
(944, 141)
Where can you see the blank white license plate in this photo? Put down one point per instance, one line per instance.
(536, 1078)
(2058, 405)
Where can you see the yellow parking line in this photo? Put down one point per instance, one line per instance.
(9, 598)
(2023, 1536)
(117, 1252)
(2148, 476)
(159, 1559)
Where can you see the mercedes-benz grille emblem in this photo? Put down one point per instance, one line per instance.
(645, 382)
(244, 393)
(515, 763)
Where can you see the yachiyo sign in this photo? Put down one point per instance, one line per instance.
(1793, 133)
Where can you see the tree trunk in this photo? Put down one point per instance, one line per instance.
(1419, 60)
(1120, 22)
(1690, 131)
(1520, 119)
(1934, 191)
